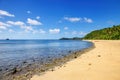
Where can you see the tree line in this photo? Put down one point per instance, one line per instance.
(111, 33)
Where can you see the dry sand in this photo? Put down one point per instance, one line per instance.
(100, 63)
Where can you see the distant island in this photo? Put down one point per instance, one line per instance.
(111, 33)
(74, 38)
(7, 39)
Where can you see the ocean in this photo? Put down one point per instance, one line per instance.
(16, 52)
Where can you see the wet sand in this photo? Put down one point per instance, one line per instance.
(100, 63)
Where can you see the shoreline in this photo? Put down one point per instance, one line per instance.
(100, 63)
(27, 70)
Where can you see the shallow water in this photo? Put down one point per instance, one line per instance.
(13, 52)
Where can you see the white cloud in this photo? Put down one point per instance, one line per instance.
(78, 19)
(33, 22)
(4, 24)
(30, 29)
(28, 12)
(88, 20)
(65, 28)
(17, 23)
(38, 17)
(72, 19)
(5, 13)
(3, 27)
(54, 31)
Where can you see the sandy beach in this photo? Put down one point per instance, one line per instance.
(100, 63)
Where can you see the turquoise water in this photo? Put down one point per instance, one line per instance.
(13, 52)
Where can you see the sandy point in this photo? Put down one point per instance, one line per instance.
(100, 63)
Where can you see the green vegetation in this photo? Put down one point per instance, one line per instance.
(111, 33)
(74, 38)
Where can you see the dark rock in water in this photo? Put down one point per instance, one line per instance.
(24, 62)
(48, 57)
(0, 69)
(14, 70)
(6, 69)
(69, 51)
(33, 60)
(7, 39)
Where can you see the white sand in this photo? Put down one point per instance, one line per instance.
(100, 63)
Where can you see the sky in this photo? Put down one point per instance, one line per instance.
(53, 19)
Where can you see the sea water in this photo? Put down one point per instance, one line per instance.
(13, 52)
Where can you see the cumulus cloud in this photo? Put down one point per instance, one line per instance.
(5, 13)
(33, 22)
(30, 29)
(3, 25)
(72, 19)
(78, 19)
(38, 17)
(54, 31)
(16, 23)
(88, 20)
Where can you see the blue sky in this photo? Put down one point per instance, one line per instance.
(53, 19)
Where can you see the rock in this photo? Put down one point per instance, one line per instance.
(15, 70)
(75, 53)
(69, 51)
(42, 70)
(89, 64)
(99, 55)
(52, 70)
(0, 69)
(24, 62)
(75, 57)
